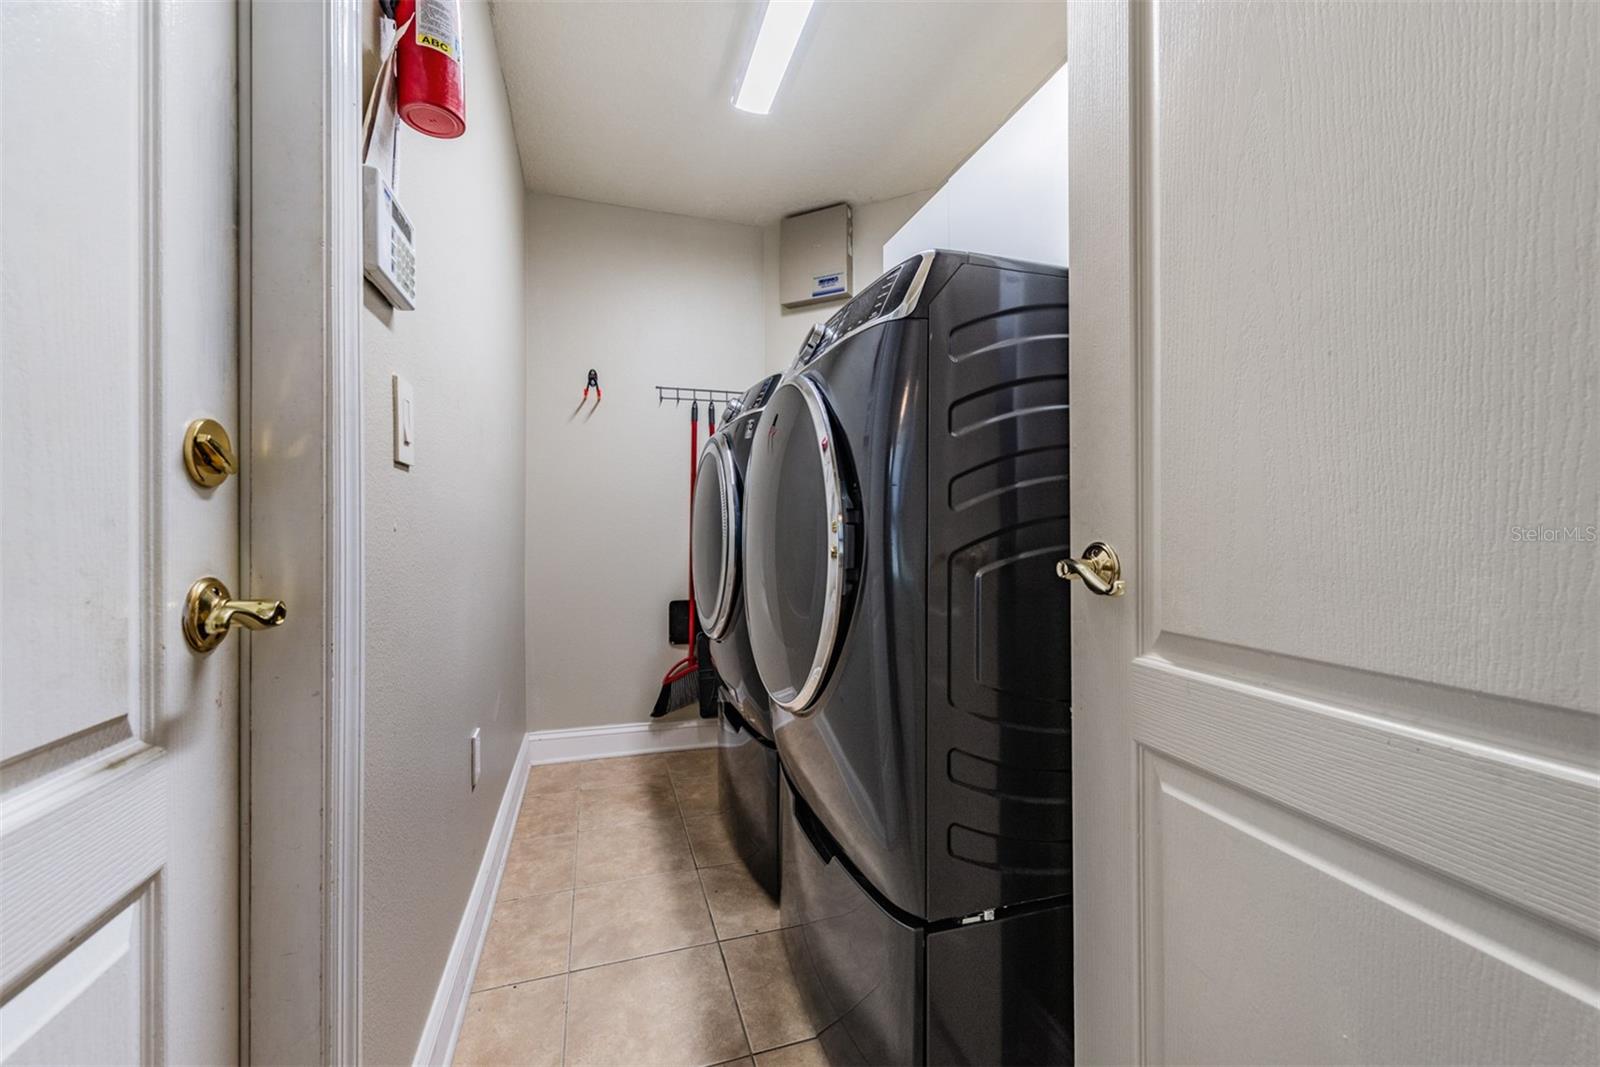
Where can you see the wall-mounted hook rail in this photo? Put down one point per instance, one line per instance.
(679, 393)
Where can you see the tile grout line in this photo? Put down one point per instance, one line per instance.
(531, 979)
(705, 900)
(598, 966)
(683, 820)
(572, 922)
(501, 901)
(757, 933)
(522, 981)
(706, 896)
(750, 1047)
(738, 1009)
(792, 1044)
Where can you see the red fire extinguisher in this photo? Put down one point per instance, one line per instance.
(432, 89)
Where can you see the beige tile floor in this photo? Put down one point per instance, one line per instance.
(627, 932)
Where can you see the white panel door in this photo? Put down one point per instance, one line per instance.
(1335, 317)
(119, 747)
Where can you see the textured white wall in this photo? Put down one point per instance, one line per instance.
(445, 557)
(1010, 197)
(872, 225)
(644, 298)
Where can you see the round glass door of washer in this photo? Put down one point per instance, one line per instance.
(714, 535)
(794, 530)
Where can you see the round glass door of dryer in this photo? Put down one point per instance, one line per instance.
(794, 545)
(713, 553)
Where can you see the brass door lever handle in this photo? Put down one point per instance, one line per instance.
(1099, 568)
(209, 612)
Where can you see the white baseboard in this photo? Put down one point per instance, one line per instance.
(439, 1034)
(620, 739)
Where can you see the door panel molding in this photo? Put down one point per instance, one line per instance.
(1522, 829)
(72, 848)
(1559, 735)
(67, 589)
(99, 1000)
(1525, 990)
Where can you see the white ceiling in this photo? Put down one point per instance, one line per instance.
(630, 103)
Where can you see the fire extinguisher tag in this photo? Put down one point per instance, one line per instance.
(439, 26)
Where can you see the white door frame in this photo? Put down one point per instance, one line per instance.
(300, 400)
(1106, 227)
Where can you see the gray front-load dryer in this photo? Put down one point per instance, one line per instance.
(904, 507)
(747, 763)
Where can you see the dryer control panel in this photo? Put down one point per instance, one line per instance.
(894, 295)
(808, 347)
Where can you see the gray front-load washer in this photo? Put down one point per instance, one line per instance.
(747, 763)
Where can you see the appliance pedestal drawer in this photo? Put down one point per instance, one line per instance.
(885, 990)
(747, 765)
(858, 967)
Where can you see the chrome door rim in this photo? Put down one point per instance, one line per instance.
(833, 595)
(717, 624)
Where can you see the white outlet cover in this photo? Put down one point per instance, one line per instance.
(405, 423)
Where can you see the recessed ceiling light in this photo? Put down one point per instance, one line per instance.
(780, 30)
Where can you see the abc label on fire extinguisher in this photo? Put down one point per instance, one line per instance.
(439, 26)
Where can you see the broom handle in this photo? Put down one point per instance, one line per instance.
(694, 449)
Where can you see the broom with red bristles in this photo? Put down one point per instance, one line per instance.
(681, 686)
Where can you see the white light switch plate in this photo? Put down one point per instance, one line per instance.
(477, 755)
(405, 423)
